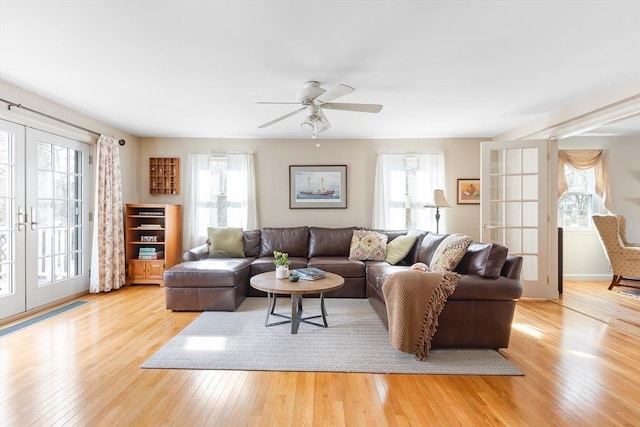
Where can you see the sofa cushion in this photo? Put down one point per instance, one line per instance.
(330, 241)
(251, 243)
(449, 253)
(225, 242)
(368, 245)
(343, 266)
(292, 240)
(483, 259)
(429, 244)
(399, 247)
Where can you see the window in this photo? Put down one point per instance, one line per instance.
(578, 203)
(404, 184)
(221, 194)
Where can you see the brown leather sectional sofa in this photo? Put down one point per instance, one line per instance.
(478, 314)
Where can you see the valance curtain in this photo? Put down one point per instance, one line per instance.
(107, 261)
(241, 209)
(394, 193)
(583, 160)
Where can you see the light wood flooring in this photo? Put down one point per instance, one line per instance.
(580, 356)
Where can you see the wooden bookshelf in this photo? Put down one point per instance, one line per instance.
(164, 175)
(153, 240)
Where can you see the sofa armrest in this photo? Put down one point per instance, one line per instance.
(512, 267)
(196, 254)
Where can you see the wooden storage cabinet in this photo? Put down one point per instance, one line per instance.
(164, 175)
(153, 239)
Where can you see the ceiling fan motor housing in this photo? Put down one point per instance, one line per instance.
(309, 92)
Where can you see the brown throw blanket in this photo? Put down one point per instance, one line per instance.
(414, 301)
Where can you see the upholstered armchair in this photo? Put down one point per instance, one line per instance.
(623, 256)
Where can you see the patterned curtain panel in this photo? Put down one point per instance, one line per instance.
(107, 261)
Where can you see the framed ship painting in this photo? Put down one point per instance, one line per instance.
(317, 187)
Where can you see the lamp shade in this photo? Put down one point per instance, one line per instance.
(440, 199)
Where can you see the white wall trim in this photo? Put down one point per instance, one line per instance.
(614, 103)
(587, 277)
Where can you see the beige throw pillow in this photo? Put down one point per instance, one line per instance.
(449, 253)
(225, 242)
(399, 247)
(368, 246)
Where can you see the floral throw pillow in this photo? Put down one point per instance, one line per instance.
(368, 246)
(449, 253)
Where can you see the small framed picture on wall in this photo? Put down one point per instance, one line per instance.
(469, 191)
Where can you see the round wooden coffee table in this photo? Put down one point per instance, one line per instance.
(268, 283)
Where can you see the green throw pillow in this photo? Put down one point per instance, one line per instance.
(225, 242)
(399, 247)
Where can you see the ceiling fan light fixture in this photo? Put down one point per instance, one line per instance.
(308, 125)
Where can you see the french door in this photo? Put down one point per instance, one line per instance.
(515, 208)
(44, 232)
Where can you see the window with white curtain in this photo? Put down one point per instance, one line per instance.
(221, 194)
(580, 201)
(404, 184)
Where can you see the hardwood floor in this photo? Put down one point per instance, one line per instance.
(580, 356)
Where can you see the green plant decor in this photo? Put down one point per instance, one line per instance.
(281, 258)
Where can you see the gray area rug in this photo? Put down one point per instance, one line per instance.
(355, 341)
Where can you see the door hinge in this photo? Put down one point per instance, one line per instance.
(90, 216)
(90, 159)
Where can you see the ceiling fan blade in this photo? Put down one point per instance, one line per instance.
(276, 102)
(338, 91)
(281, 118)
(363, 108)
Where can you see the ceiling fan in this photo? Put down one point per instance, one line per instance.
(314, 99)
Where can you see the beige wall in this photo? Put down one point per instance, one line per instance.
(273, 158)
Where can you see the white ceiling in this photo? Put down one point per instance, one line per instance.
(196, 68)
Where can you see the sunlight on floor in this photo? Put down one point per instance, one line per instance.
(529, 330)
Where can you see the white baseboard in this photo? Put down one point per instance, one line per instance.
(587, 277)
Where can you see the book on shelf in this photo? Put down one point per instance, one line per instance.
(309, 273)
(150, 226)
(144, 249)
(150, 213)
(151, 255)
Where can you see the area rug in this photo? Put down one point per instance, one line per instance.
(630, 291)
(355, 341)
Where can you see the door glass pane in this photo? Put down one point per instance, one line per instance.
(497, 162)
(513, 160)
(530, 267)
(513, 188)
(60, 227)
(530, 160)
(6, 213)
(514, 242)
(513, 214)
(497, 188)
(44, 156)
(530, 214)
(497, 236)
(497, 214)
(530, 187)
(530, 241)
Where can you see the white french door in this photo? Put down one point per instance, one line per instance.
(514, 207)
(44, 181)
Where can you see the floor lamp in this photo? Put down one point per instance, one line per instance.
(439, 201)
